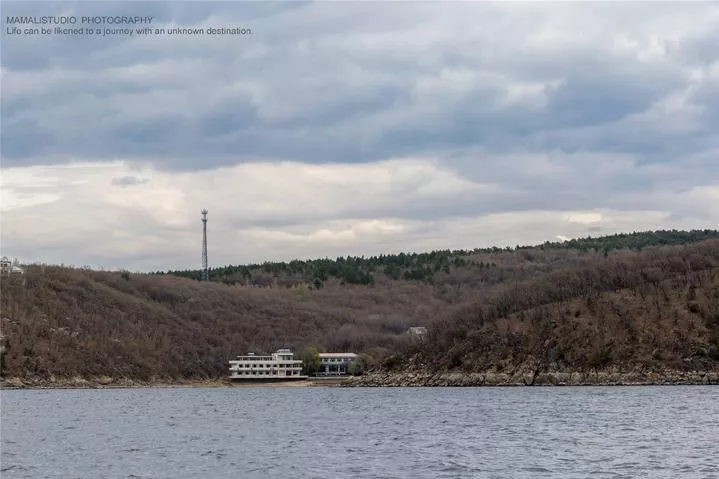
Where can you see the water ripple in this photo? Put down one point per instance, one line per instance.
(657, 432)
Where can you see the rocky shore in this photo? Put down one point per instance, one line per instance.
(594, 378)
(106, 382)
(103, 382)
(399, 379)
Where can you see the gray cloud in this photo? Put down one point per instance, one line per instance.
(329, 82)
(128, 181)
(553, 107)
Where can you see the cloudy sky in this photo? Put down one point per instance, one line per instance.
(339, 128)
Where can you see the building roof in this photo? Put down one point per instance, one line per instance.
(268, 356)
(338, 355)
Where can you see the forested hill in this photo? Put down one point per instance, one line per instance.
(645, 300)
(423, 266)
(655, 310)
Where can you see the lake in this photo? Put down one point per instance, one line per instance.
(530, 432)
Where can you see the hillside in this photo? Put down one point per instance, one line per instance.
(646, 300)
(426, 267)
(640, 313)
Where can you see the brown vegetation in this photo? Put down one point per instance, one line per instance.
(550, 307)
(64, 322)
(651, 310)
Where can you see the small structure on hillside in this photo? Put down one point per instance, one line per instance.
(417, 332)
(8, 267)
(335, 364)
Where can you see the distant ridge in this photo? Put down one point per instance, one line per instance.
(421, 266)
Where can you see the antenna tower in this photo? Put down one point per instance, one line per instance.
(205, 276)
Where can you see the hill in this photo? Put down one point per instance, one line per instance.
(645, 312)
(426, 267)
(645, 300)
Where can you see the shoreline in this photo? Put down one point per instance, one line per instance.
(529, 379)
(394, 379)
(123, 383)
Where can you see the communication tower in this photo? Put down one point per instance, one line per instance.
(205, 275)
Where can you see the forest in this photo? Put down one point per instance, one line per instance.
(648, 299)
(420, 266)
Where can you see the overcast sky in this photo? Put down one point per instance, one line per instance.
(341, 128)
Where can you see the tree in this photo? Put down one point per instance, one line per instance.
(358, 366)
(310, 360)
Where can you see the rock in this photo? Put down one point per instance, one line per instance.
(14, 383)
(78, 381)
(105, 380)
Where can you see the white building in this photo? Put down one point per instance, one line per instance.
(8, 267)
(417, 332)
(281, 365)
(335, 364)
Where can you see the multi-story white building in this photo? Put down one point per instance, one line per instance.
(281, 365)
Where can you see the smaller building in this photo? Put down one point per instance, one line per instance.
(5, 265)
(335, 364)
(417, 332)
(8, 267)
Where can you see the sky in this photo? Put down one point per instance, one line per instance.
(340, 128)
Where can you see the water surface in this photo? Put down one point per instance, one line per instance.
(534, 432)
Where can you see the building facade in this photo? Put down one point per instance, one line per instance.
(280, 365)
(335, 364)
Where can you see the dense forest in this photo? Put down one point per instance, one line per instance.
(642, 300)
(421, 266)
(649, 310)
